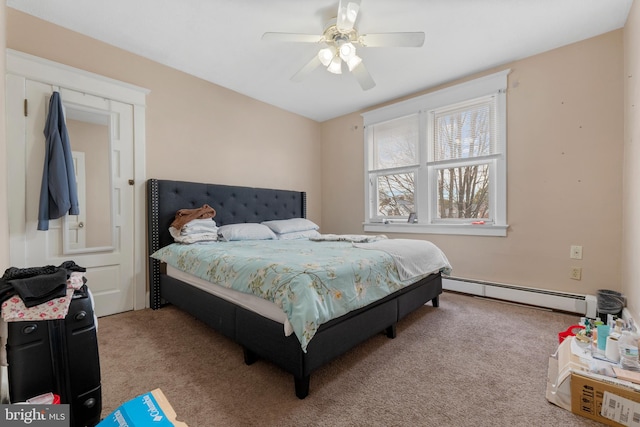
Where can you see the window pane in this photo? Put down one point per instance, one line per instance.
(396, 194)
(463, 133)
(463, 192)
(395, 143)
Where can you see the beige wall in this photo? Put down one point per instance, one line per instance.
(195, 130)
(631, 193)
(565, 147)
(4, 209)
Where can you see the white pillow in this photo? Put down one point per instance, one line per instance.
(245, 231)
(282, 226)
(298, 235)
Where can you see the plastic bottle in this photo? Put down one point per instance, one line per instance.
(628, 344)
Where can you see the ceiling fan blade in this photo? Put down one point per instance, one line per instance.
(306, 69)
(392, 40)
(364, 78)
(347, 14)
(292, 37)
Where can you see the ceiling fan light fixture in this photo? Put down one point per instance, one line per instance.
(335, 66)
(326, 55)
(347, 51)
(353, 62)
(339, 40)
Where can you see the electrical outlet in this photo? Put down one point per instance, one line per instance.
(576, 252)
(576, 273)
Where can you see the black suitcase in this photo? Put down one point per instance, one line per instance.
(59, 356)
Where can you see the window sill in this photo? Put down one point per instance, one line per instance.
(455, 229)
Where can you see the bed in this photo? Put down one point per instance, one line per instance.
(260, 335)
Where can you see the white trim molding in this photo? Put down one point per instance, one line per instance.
(56, 74)
(454, 229)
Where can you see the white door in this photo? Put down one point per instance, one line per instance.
(103, 130)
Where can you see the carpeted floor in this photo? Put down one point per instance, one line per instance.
(470, 362)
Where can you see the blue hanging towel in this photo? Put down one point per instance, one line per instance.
(58, 193)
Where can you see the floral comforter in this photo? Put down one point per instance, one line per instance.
(313, 282)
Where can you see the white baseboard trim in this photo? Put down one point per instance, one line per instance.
(585, 305)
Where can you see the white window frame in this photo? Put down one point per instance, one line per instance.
(425, 191)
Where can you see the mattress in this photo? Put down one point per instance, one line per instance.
(250, 302)
(311, 282)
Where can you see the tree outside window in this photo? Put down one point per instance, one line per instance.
(461, 136)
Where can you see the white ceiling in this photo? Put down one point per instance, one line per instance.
(219, 41)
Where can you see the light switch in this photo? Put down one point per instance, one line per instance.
(576, 252)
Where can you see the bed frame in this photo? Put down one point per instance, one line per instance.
(261, 337)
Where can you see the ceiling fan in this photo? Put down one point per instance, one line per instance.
(341, 38)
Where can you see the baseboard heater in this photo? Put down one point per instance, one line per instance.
(585, 305)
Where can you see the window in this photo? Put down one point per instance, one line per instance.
(441, 156)
(396, 160)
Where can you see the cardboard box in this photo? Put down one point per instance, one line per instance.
(149, 409)
(572, 386)
(621, 403)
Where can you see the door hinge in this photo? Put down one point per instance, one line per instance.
(26, 109)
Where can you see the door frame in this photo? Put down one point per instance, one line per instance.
(23, 65)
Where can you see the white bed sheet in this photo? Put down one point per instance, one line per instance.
(251, 302)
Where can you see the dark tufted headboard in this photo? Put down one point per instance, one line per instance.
(233, 204)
